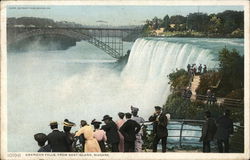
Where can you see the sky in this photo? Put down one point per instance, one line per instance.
(110, 15)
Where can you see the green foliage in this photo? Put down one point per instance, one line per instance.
(208, 80)
(198, 22)
(178, 19)
(215, 25)
(156, 22)
(225, 24)
(229, 81)
(238, 33)
(165, 23)
(237, 141)
(184, 34)
(236, 94)
(231, 20)
(179, 79)
(185, 109)
(232, 70)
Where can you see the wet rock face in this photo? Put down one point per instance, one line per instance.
(43, 43)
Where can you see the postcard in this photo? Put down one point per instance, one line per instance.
(124, 80)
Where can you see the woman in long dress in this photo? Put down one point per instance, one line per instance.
(119, 123)
(99, 134)
(67, 125)
(91, 144)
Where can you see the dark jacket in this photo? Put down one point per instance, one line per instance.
(129, 130)
(58, 141)
(112, 132)
(160, 125)
(45, 148)
(208, 130)
(70, 140)
(224, 127)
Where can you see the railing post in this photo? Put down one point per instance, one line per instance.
(182, 124)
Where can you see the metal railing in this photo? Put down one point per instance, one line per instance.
(180, 143)
(180, 135)
(182, 122)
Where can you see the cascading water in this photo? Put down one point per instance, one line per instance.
(151, 61)
(149, 64)
(79, 83)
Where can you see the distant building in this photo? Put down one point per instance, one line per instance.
(172, 25)
(159, 31)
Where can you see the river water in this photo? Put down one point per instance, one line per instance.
(82, 82)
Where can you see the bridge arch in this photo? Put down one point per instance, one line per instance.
(74, 34)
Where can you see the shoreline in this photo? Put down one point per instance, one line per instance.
(187, 36)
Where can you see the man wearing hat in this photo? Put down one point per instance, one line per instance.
(41, 139)
(57, 139)
(224, 130)
(67, 125)
(208, 131)
(129, 130)
(140, 121)
(112, 133)
(160, 130)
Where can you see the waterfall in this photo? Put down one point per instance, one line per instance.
(81, 84)
(150, 62)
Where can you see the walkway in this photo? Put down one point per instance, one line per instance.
(194, 85)
(220, 100)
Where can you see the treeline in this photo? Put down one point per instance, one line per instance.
(228, 23)
(39, 22)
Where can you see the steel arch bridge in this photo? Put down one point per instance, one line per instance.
(110, 40)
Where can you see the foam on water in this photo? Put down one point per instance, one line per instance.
(80, 84)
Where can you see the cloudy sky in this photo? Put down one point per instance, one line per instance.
(110, 15)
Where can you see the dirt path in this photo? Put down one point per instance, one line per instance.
(194, 85)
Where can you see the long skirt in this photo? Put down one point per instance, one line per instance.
(92, 146)
(102, 146)
(121, 143)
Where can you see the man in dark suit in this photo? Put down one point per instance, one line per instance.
(57, 139)
(129, 130)
(112, 133)
(224, 129)
(208, 131)
(160, 131)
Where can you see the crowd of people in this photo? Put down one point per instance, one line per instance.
(120, 136)
(126, 135)
(193, 70)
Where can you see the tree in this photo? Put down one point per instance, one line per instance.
(231, 20)
(215, 25)
(232, 69)
(178, 21)
(165, 23)
(198, 21)
(156, 22)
